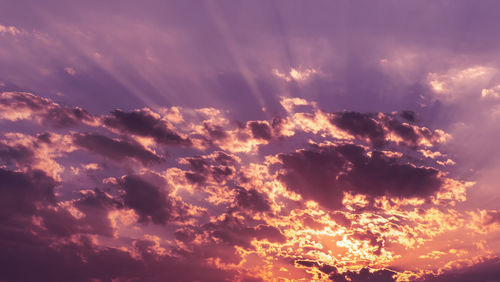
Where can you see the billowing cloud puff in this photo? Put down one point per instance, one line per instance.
(323, 173)
(260, 130)
(378, 128)
(95, 205)
(148, 199)
(145, 123)
(18, 153)
(362, 126)
(22, 192)
(232, 231)
(218, 167)
(251, 199)
(22, 105)
(117, 150)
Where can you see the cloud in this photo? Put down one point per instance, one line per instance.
(471, 78)
(148, 197)
(18, 154)
(232, 231)
(218, 167)
(493, 92)
(481, 271)
(237, 59)
(295, 74)
(380, 129)
(70, 70)
(22, 105)
(22, 192)
(260, 130)
(323, 173)
(215, 132)
(117, 150)
(95, 204)
(145, 123)
(362, 126)
(492, 216)
(82, 260)
(10, 30)
(364, 275)
(252, 200)
(235, 199)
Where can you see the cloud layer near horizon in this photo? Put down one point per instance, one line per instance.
(189, 194)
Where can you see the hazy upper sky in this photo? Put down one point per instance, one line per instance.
(249, 140)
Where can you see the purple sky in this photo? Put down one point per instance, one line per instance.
(130, 91)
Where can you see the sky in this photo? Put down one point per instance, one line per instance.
(249, 140)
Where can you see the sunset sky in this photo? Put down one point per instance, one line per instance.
(249, 140)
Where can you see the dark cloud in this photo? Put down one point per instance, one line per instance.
(410, 135)
(34, 251)
(117, 150)
(222, 158)
(372, 238)
(325, 268)
(260, 130)
(252, 200)
(57, 224)
(185, 235)
(323, 173)
(148, 199)
(340, 219)
(23, 100)
(362, 126)
(270, 233)
(232, 231)
(485, 271)
(145, 123)
(408, 115)
(189, 266)
(375, 127)
(204, 168)
(363, 275)
(309, 221)
(195, 178)
(404, 131)
(215, 132)
(20, 192)
(198, 164)
(221, 173)
(81, 260)
(24, 197)
(44, 137)
(95, 205)
(28, 195)
(66, 117)
(199, 170)
(43, 108)
(380, 175)
(18, 154)
(307, 263)
(313, 174)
